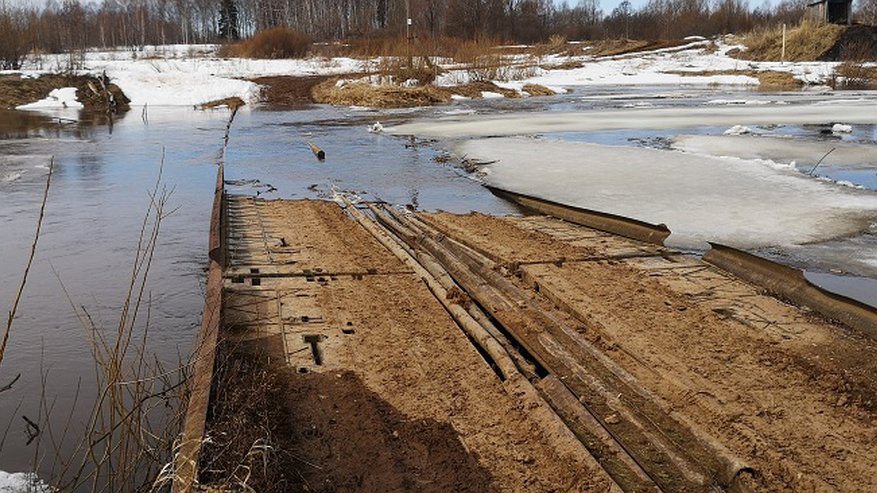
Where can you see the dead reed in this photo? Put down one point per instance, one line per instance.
(854, 75)
(33, 250)
(378, 96)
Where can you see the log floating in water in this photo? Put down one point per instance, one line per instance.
(317, 151)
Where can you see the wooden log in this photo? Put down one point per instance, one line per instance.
(435, 269)
(675, 455)
(317, 151)
(518, 384)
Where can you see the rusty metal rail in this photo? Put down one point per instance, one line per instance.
(603, 221)
(790, 284)
(784, 281)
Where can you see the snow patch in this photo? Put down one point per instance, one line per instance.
(22, 482)
(737, 101)
(63, 98)
(738, 130)
(840, 128)
(491, 95)
(10, 177)
(458, 112)
(781, 150)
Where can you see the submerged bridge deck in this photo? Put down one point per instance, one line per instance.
(388, 351)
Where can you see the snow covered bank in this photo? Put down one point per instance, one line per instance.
(191, 75)
(734, 201)
(642, 118)
(700, 63)
(182, 75)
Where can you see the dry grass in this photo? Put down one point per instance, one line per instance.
(778, 81)
(393, 96)
(854, 75)
(401, 69)
(474, 89)
(246, 412)
(768, 80)
(614, 47)
(537, 90)
(441, 47)
(808, 42)
(378, 96)
(569, 65)
(275, 43)
(233, 103)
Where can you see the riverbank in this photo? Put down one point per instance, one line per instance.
(194, 75)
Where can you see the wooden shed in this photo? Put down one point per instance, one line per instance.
(831, 11)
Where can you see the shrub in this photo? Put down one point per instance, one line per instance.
(279, 42)
(399, 69)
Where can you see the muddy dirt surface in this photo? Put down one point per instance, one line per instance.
(524, 245)
(384, 392)
(285, 91)
(790, 394)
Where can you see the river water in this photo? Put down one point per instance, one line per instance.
(100, 192)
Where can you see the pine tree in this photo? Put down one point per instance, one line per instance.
(228, 20)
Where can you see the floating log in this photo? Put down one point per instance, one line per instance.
(317, 151)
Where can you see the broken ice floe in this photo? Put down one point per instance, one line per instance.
(729, 200)
(840, 128)
(738, 130)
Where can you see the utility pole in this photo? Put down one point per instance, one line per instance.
(408, 23)
(408, 19)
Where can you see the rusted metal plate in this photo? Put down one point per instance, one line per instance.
(789, 283)
(611, 223)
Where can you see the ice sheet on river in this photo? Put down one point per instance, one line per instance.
(782, 150)
(530, 123)
(733, 201)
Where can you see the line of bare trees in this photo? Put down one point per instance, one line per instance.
(66, 25)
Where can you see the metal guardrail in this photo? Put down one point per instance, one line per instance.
(783, 281)
(603, 221)
(201, 378)
(790, 284)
